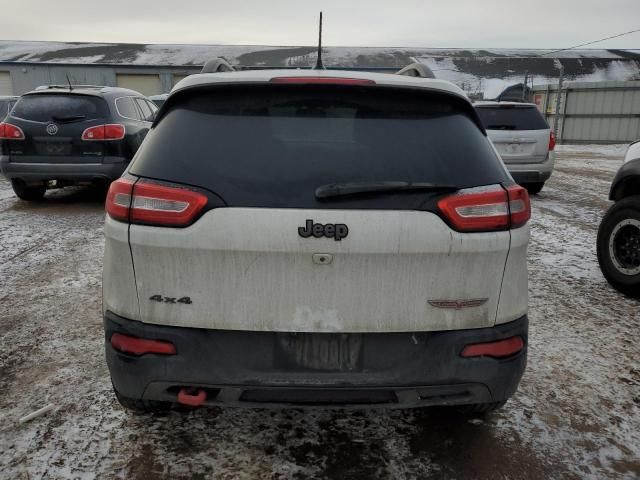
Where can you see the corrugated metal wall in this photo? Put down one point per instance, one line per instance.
(595, 112)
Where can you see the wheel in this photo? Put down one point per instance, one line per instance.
(619, 246)
(534, 188)
(28, 193)
(477, 408)
(136, 405)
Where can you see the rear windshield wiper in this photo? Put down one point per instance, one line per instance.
(339, 189)
(68, 118)
(500, 127)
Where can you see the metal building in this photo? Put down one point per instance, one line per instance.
(154, 68)
(592, 112)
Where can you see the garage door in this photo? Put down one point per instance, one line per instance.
(6, 88)
(145, 84)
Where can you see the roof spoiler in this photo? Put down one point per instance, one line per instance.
(416, 70)
(217, 65)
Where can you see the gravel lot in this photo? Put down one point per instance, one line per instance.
(576, 414)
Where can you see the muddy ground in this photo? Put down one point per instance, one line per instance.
(575, 415)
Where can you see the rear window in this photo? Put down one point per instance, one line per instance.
(50, 107)
(273, 146)
(512, 117)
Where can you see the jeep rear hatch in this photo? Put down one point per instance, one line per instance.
(284, 168)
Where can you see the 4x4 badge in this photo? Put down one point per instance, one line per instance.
(337, 231)
(52, 129)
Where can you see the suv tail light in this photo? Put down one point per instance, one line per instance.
(487, 209)
(323, 81)
(153, 204)
(111, 131)
(10, 132)
(552, 141)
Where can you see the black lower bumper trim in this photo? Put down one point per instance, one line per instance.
(245, 368)
(108, 168)
(530, 177)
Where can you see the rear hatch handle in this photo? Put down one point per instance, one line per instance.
(353, 188)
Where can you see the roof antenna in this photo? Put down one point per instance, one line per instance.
(69, 82)
(319, 64)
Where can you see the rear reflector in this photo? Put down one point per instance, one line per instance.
(499, 349)
(141, 346)
(552, 141)
(112, 131)
(10, 132)
(153, 204)
(323, 81)
(486, 209)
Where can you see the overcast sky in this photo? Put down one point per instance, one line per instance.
(418, 23)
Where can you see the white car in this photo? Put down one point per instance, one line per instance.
(523, 139)
(316, 237)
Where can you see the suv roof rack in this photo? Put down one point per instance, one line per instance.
(416, 69)
(217, 65)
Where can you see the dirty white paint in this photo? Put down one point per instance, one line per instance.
(248, 269)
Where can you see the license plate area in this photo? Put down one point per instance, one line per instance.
(331, 352)
(511, 148)
(53, 148)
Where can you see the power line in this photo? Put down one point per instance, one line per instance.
(591, 43)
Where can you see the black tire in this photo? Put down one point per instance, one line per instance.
(617, 270)
(480, 408)
(534, 188)
(139, 406)
(28, 193)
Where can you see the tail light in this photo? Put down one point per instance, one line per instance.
(153, 204)
(141, 346)
(499, 349)
(487, 209)
(323, 81)
(552, 141)
(10, 132)
(111, 131)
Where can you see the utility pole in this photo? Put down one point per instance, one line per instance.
(556, 122)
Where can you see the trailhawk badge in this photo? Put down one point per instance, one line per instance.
(336, 231)
(52, 129)
(458, 304)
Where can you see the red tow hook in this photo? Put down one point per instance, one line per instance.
(192, 396)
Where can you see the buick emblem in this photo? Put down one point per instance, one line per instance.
(52, 129)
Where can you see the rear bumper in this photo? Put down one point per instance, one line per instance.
(109, 168)
(245, 368)
(532, 172)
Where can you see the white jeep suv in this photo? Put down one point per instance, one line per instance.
(523, 139)
(316, 237)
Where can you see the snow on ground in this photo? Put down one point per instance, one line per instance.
(575, 415)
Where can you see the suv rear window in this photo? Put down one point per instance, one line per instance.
(272, 146)
(511, 117)
(44, 107)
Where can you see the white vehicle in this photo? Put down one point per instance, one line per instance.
(523, 139)
(316, 237)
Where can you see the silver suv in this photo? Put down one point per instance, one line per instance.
(523, 139)
(316, 237)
